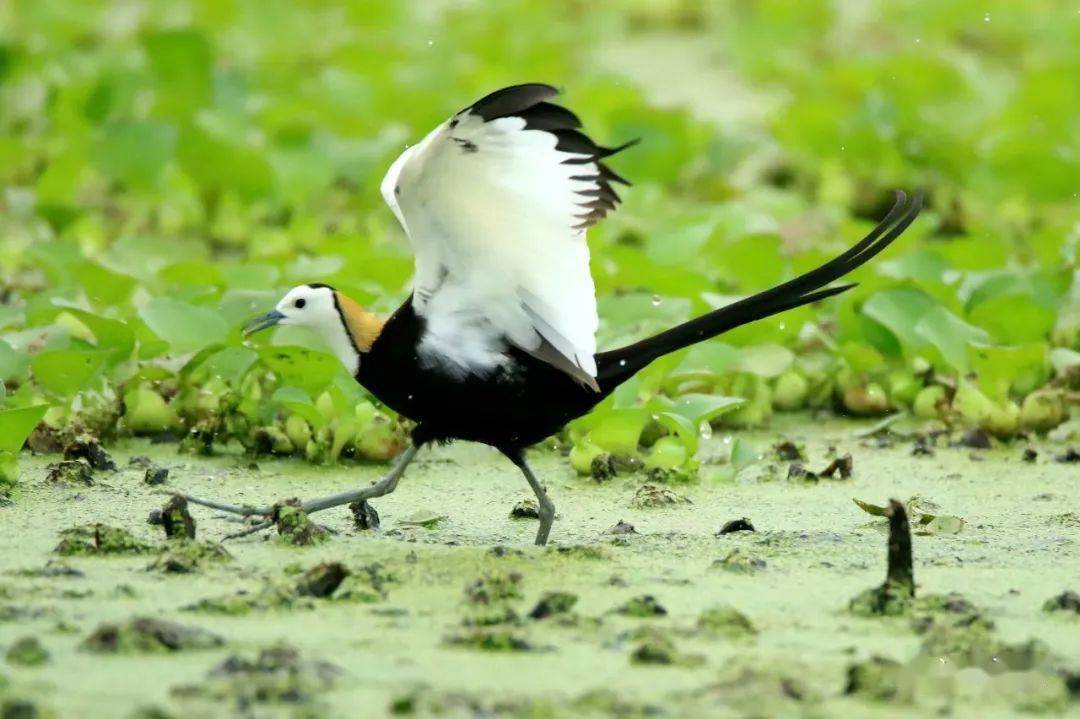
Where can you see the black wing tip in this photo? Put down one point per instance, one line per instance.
(530, 101)
(512, 100)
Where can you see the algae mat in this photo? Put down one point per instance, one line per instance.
(448, 611)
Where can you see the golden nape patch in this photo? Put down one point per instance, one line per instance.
(363, 326)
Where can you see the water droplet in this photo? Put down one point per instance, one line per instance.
(986, 17)
(783, 325)
(656, 300)
(918, 40)
(727, 439)
(430, 43)
(622, 363)
(705, 429)
(410, 398)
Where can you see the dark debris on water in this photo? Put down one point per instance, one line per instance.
(743, 524)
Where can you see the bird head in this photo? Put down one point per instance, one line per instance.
(346, 327)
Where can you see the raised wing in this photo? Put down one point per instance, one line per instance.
(496, 201)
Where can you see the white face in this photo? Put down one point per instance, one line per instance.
(307, 306)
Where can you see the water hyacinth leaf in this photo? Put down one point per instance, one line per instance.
(65, 372)
(1018, 369)
(681, 427)
(1014, 319)
(618, 431)
(184, 326)
(17, 424)
(899, 310)
(135, 153)
(108, 333)
(13, 364)
(231, 364)
(708, 358)
(182, 65)
(698, 408)
(765, 360)
(743, 454)
(297, 401)
(950, 335)
(103, 287)
(298, 366)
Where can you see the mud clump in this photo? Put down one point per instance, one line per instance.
(155, 476)
(185, 556)
(143, 635)
(295, 527)
(657, 649)
(490, 640)
(787, 451)
(553, 603)
(643, 607)
(742, 524)
(1067, 602)
(525, 509)
(98, 539)
(579, 551)
(278, 675)
(844, 466)
(27, 652)
(176, 519)
(649, 496)
(364, 516)
(90, 450)
(322, 580)
(74, 472)
(603, 467)
(975, 645)
(726, 621)
(1069, 456)
(877, 679)
(494, 588)
(739, 562)
(895, 595)
(19, 708)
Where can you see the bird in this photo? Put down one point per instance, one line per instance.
(496, 343)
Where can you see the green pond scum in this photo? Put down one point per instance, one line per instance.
(672, 619)
(168, 169)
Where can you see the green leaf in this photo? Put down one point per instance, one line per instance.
(297, 401)
(17, 424)
(66, 372)
(13, 364)
(108, 333)
(950, 335)
(698, 408)
(1014, 319)
(618, 431)
(185, 327)
(298, 366)
(681, 427)
(182, 63)
(135, 153)
(899, 309)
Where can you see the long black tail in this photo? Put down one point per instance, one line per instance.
(615, 366)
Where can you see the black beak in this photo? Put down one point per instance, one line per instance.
(263, 322)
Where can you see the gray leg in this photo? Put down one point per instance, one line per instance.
(384, 486)
(544, 506)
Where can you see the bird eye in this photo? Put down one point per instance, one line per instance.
(300, 303)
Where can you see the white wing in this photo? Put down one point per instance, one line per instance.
(496, 201)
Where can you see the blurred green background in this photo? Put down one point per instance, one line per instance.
(169, 168)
